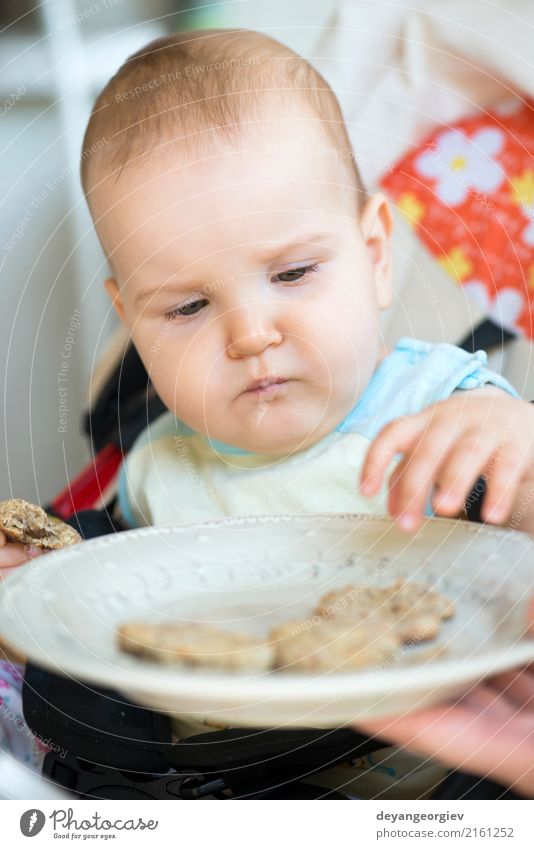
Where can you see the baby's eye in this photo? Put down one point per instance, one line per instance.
(295, 274)
(186, 309)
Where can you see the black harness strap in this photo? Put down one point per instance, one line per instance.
(98, 725)
(252, 760)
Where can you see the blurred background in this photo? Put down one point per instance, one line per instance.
(55, 57)
(414, 77)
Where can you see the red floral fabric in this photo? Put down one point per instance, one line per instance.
(468, 190)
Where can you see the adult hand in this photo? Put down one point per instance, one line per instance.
(488, 732)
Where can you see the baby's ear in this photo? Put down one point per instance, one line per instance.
(112, 288)
(376, 225)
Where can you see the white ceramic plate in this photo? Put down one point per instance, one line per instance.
(250, 573)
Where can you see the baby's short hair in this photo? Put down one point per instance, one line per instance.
(200, 88)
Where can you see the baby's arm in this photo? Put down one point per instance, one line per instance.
(447, 447)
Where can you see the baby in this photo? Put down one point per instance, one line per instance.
(250, 265)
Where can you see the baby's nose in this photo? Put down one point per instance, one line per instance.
(251, 330)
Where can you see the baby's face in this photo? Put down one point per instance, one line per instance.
(246, 265)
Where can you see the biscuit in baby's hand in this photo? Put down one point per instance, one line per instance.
(195, 644)
(23, 522)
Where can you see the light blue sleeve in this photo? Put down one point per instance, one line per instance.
(413, 376)
(122, 497)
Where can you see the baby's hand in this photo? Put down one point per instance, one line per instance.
(448, 446)
(14, 554)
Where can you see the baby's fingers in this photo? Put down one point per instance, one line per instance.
(461, 468)
(15, 554)
(412, 480)
(505, 473)
(396, 437)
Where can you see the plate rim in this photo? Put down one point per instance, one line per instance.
(267, 685)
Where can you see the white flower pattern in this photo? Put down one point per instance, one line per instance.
(462, 164)
(504, 309)
(528, 233)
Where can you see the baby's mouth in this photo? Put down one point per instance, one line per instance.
(266, 387)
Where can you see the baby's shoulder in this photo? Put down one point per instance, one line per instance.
(414, 375)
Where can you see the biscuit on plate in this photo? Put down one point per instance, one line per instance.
(414, 610)
(339, 645)
(195, 644)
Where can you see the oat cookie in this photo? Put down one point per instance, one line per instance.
(400, 597)
(24, 522)
(352, 628)
(195, 644)
(321, 644)
(414, 610)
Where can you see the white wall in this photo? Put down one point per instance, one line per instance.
(297, 23)
(50, 261)
(53, 265)
(39, 292)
